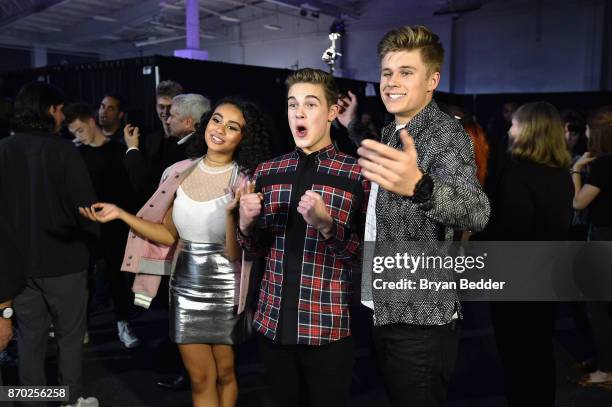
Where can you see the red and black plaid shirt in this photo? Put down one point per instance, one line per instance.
(306, 288)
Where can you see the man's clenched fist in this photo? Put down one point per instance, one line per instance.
(315, 213)
(250, 208)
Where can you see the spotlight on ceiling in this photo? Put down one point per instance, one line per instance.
(314, 14)
(303, 12)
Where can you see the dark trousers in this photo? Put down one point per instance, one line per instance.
(4, 403)
(601, 313)
(416, 362)
(322, 374)
(524, 331)
(601, 322)
(108, 270)
(63, 301)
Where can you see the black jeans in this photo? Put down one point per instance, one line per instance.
(416, 362)
(601, 313)
(4, 403)
(106, 272)
(63, 301)
(321, 373)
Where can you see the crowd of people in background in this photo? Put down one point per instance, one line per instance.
(190, 209)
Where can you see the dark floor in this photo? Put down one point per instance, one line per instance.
(121, 377)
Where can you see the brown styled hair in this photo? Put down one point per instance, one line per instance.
(317, 77)
(600, 131)
(168, 89)
(409, 38)
(542, 138)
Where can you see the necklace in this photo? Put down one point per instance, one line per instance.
(215, 163)
(216, 169)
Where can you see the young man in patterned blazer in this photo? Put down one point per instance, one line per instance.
(304, 219)
(424, 186)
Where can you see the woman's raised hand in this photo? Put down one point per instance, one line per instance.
(583, 161)
(247, 188)
(101, 212)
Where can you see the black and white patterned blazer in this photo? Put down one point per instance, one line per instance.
(458, 202)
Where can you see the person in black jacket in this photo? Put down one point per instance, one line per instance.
(54, 240)
(533, 203)
(12, 282)
(595, 193)
(148, 155)
(103, 157)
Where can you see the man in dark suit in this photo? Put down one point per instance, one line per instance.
(147, 156)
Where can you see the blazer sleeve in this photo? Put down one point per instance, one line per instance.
(137, 170)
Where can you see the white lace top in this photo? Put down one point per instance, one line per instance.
(203, 219)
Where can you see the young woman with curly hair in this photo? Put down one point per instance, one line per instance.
(198, 221)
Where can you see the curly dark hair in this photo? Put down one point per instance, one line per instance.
(32, 106)
(256, 135)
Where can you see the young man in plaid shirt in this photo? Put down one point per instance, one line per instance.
(304, 219)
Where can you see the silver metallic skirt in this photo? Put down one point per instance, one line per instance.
(203, 292)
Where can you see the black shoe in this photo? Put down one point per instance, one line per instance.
(179, 383)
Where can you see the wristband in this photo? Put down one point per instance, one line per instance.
(423, 189)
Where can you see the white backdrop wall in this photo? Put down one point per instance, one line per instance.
(504, 47)
(521, 48)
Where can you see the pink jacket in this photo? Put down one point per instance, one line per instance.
(150, 260)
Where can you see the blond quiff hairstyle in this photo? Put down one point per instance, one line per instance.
(408, 38)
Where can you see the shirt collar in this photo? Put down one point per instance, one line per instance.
(326, 152)
(184, 139)
(419, 121)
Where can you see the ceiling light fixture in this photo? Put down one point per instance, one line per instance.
(170, 6)
(105, 19)
(49, 28)
(178, 27)
(309, 7)
(164, 29)
(154, 41)
(273, 27)
(229, 19)
(283, 4)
